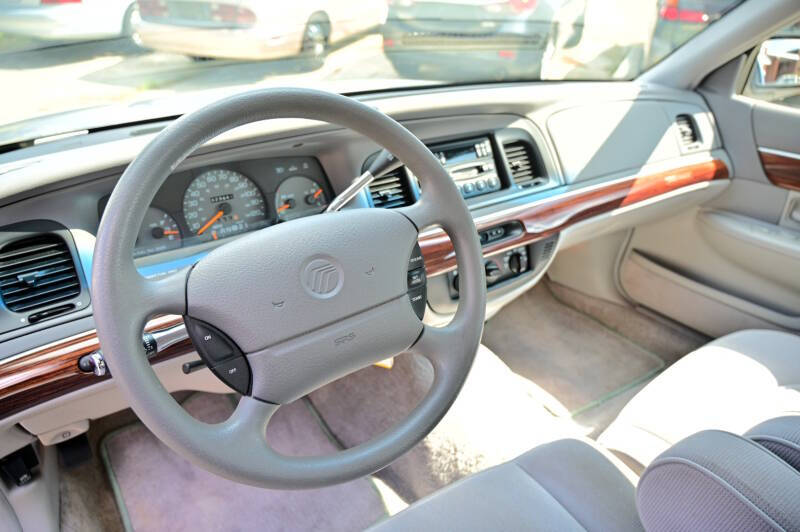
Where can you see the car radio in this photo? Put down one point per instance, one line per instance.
(471, 164)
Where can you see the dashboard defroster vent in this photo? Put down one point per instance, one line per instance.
(391, 191)
(687, 130)
(522, 165)
(36, 272)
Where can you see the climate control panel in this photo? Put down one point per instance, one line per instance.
(498, 268)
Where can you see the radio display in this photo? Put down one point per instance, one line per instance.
(458, 155)
(464, 151)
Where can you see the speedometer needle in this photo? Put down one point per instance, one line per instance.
(210, 222)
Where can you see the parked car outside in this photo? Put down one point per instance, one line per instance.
(254, 29)
(69, 20)
(454, 39)
(591, 40)
(776, 71)
(680, 20)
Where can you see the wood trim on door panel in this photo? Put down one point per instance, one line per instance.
(551, 215)
(782, 168)
(47, 372)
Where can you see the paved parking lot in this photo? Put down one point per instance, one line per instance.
(77, 75)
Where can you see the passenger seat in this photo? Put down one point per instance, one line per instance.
(730, 384)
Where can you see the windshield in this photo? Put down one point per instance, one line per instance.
(68, 65)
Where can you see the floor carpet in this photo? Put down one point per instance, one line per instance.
(668, 340)
(574, 357)
(497, 416)
(159, 490)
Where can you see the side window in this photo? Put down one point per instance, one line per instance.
(776, 71)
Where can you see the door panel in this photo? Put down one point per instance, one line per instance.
(778, 139)
(733, 263)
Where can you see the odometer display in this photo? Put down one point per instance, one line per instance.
(221, 203)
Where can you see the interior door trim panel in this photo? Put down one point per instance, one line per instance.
(782, 167)
(739, 238)
(654, 285)
(552, 214)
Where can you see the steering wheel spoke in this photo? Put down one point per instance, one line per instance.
(162, 295)
(422, 213)
(249, 421)
(440, 345)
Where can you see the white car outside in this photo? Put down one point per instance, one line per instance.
(69, 20)
(254, 29)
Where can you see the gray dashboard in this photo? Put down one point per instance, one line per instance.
(66, 181)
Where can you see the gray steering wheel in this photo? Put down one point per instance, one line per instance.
(341, 279)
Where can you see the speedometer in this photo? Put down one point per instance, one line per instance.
(221, 203)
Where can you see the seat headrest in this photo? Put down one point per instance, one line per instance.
(716, 480)
(781, 435)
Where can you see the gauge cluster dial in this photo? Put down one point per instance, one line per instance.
(160, 232)
(299, 196)
(221, 203)
(200, 206)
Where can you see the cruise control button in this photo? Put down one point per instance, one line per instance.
(416, 277)
(418, 300)
(212, 345)
(415, 261)
(235, 373)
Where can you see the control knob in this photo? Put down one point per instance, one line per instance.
(515, 263)
(492, 270)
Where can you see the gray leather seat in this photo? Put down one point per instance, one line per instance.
(564, 485)
(710, 480)
(730, 384)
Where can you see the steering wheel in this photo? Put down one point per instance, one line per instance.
(302, 303)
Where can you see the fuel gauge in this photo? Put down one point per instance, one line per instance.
(299, 196)
(159, 232)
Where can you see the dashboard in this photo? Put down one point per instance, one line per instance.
(217, 202)
(534, 165)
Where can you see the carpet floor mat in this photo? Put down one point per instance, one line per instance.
(578, 360)
(158, 490)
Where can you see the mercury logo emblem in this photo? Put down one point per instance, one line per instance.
(322, 277)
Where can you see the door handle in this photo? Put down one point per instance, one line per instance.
(794, 211)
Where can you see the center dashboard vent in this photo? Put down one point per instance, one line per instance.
(391, 191)
(687, 130)
(522, 164)
(37, 272)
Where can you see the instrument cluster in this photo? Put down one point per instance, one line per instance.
(218, 202)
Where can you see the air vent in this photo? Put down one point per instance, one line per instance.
(36, 272)
(547, 250)
(391, 191)
(522, 165)
(687, 130)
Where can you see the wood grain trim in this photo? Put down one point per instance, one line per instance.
(551, 215)
(782, 171)
(49, 371)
